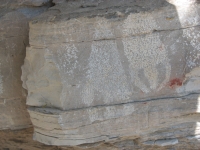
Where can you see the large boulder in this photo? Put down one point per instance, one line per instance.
(104, 70)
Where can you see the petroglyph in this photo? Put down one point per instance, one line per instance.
(105, 74)
(102, 29)
(146, 53)
(68, 60)
(138, 24)
(65, 59)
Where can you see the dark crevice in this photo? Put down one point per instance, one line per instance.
(51, 3)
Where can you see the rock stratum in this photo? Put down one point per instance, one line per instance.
(111, 71)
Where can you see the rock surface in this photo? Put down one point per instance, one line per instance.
(13, 41)
(22, 140)
(110, 123)
(111, 71)
(93, 60)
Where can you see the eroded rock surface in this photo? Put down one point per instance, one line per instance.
(109, 123)
(22, 139)
(110, 70)
(14, 30)
(89, 61)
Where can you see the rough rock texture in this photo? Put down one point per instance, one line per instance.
(22, 140)
(93, 60)
(13, 41)
(109, 123)
(111, 71)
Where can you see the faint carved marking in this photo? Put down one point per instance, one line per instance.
(105, 75)
(65, 58)
(145, 53)
(138, 24)
(102, 29)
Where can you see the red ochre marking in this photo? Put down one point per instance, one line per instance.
(175, 82)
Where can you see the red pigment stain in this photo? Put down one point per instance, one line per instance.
(175, 82)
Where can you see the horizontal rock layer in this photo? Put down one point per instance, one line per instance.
(22, 139)
(109, 123)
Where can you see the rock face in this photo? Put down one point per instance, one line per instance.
(111, 70)
(109, 123)
(22, 139)
(13, 41)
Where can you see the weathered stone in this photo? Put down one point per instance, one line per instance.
(13, 41)
(110, 70)
(22, 139)
(107, 123)
(85, 62)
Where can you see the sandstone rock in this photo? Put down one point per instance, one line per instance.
(90, 61)
(108, 123)
(110, 70)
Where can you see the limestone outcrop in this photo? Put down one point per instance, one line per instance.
(14, 29)
(111, 70)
